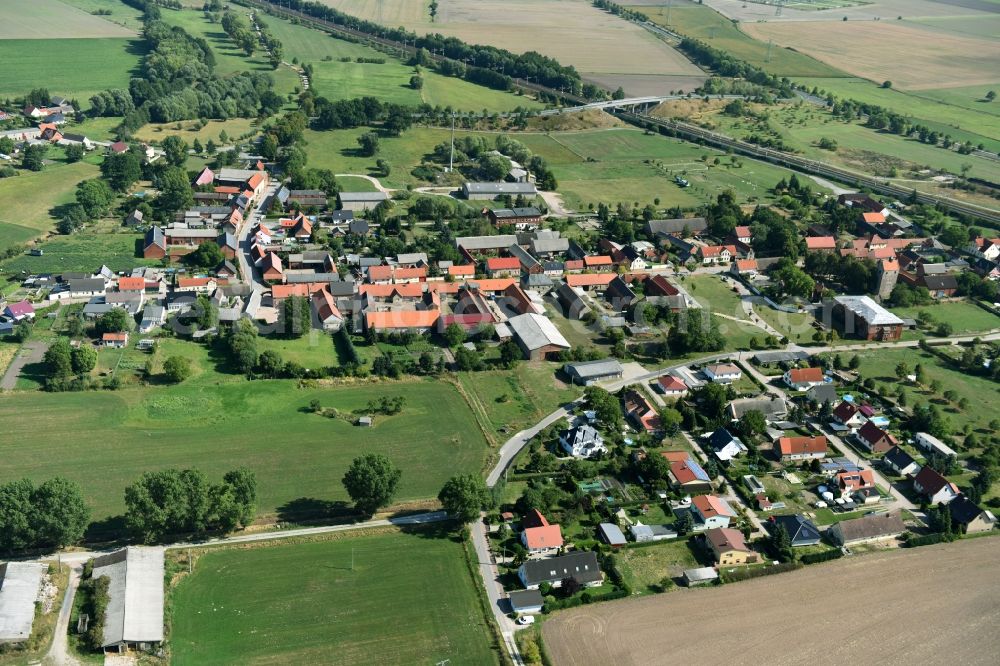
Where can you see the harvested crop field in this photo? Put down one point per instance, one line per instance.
(912, 57)
(935, 604)
(51, 19)
(868, 11)
(602, 47)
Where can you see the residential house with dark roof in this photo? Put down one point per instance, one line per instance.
(155, 244)
(873, 439)
(801, 531)
(900, 462)
(582, 566)
(971, 518)
(849, 415)
(934, 487)
(725, 445)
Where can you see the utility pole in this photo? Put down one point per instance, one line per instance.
(451, 157)
(770, 43)
(352, 558)
(670, 4)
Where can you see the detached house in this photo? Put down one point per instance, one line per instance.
(725, 445)
(686, 474)
(900, 462)
(873, 439)
(848, 415)
(729, 547)
(541, 538)
(967, 515)
(710, 512)
(581, 566)
(723, 373)
(802, 448)
(867, 528)
(936, 488)
(640, 412)
(851, 482)
(800, 529)
(582, 441)
(800, 379)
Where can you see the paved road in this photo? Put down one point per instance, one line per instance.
(249, 274)
(31, 352)
(494, 589)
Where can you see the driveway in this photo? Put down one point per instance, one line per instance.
(31, 352)
(58, 654)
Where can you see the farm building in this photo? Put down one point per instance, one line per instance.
(861, 317)
(19, 586)
(645, 533)
(537, 336)
(520, 218)
(612, 535)
(134, 617)
(682, 226)
(866, 528)
(356, 201)
(490, 191)
(587, 372)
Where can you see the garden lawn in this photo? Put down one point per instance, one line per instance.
(75, 68)
(315, 349)
(965, 317)
(191, 129)
(355, 184)
(217, 426)
(350, 597)
(644, 567)
(714, 294)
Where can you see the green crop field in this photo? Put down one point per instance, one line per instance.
(704, 23)
(68, 67)
(388, 81)
(964, 317)
(515, 399)
(216, 426)
(389, 598)
(27, 199)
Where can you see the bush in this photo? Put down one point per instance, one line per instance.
(757, 572)
(813, 558)
(927, 540)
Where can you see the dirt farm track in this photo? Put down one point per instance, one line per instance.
(936, 604)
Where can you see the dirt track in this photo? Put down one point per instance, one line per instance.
(937, 604)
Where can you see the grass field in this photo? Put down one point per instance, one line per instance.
(955, 599)
(389, 81)
(104, 243)
(981, 393)
(68, 67)
(51, 19)
(802, 126)
(965, 317)
(27, 199)
(714, 294)
(299, 458)
(192, 129)
(346, 597)
(645, 568)
(532, 391)
(704, 23)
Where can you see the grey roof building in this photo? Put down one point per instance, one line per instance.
(586, 373)
(867, 528)
(536, 335)
(540, 246)
(772, 408)
(581, 565)
(677, 225)
(135, 596)
(481, 243)
(800, 529)
(493, 190)
(19, 586)
(822, 393)
(611, 534)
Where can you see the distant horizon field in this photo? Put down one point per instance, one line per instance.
(51, 19)
(348, 596)
(86, 66)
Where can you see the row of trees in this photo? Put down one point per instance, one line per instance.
(175, 501)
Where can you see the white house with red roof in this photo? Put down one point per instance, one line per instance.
(20, 311)
(801, 379)
(540, 537)
(709, 512)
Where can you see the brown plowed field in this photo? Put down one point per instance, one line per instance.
(936, 604)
